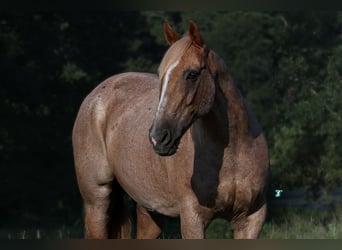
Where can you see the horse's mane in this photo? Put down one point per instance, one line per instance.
(176, 51)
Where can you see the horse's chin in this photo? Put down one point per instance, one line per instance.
(168, 150)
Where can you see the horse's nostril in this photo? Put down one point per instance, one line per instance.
(154, 142)
(165, 137)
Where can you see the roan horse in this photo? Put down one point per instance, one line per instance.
(217, 157)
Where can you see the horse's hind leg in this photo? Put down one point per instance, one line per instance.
(148, 224)
(250, 227)
(106, 215)
(120, 223)
(96, 209)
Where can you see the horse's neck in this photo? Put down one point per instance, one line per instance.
(227, 121)
(238, 120)
(210, 137)
(212, 128)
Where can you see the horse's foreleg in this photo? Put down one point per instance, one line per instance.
(192, 222)
(148, 225)
(250, 227)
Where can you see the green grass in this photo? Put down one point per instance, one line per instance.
(302, 224)
(42, 233)
(290, 224)
(282, 224)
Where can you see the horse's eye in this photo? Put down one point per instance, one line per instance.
(193, 75)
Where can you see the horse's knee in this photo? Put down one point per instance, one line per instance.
(193, 219)
(249, 227)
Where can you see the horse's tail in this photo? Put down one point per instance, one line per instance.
(120, 225)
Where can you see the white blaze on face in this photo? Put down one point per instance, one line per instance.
(163, 99)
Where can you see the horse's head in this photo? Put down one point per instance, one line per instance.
(187, 89)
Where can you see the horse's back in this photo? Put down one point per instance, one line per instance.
(114, 95)
(120, 88)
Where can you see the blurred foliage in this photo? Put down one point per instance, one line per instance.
(287, 64)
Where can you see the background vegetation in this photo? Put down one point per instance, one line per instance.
(287, 64)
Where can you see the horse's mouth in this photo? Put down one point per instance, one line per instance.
(167, 150)
(166, 144)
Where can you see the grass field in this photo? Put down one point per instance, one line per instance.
(283, 223)
(291, 224)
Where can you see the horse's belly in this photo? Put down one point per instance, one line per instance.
(146, 188)
(155, 203)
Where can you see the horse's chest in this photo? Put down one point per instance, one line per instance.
(237, 193)
(224, 191)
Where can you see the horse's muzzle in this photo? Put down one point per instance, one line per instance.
(163, 141)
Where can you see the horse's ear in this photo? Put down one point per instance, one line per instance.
(194, 34)
(171, 35)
